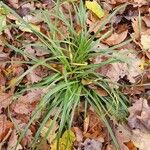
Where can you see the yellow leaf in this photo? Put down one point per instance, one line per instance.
(66, 141)
(2, 23)
(142, 63)
(95, 8)
(3, 11)
(23, 27)
(13, 81)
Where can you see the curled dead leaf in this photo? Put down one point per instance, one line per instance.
(116, 38)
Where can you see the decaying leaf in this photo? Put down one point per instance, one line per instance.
(5, 100)
(116, 38)
(26, 104)
(86, 124)
(5, 126)
(100, 91)
(131, 146)
(94, 127)
(123, 136)
(33, 77)
(146, 19)
(141, 139)
(145, 41)
(52, 135)
(116, 71)
(92, 145)
(140, 2)
(13, 141)
(140, 115)
(14, 3)
(110, 147)
(117, 1)
(95, 8)
(78, 134)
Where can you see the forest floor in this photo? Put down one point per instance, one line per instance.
(31, 41)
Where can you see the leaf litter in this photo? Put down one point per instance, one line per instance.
(89, 133)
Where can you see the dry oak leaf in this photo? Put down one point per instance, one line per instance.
(5, 100)
(140, 115)
(33, 77)
(116, 38)
(116, 71)
(26, 104)
(5, 126)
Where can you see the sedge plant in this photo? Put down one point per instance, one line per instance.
(66, 88)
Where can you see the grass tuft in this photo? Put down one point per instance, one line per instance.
(65, 88)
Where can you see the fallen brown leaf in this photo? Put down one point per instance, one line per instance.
(110, 147)
(131, 146)
(123, 136)
(5, 126)
(14, 3)
(146, 19)
(26, 104)
(78, 133)
(116, 38)
(5, 100)
(141, 139)
(13, 141)
(92, 145)
(140, 115)
(95, 127)
(116, 71)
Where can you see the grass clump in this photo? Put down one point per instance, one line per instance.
(68, 84)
